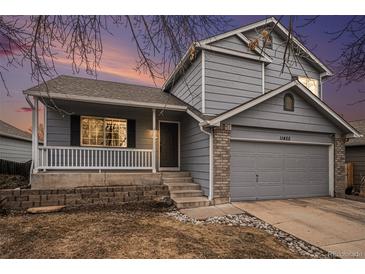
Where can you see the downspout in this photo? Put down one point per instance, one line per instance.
(211, 170)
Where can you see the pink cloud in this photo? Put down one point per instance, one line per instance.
(27, 109)
(24, 109)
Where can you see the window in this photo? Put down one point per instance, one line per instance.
(107, 132)
(288, 102)
(310, 83)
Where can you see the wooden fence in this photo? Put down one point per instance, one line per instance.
(15, 168)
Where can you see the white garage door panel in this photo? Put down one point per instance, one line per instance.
(284, 170)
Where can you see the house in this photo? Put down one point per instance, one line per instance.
(227, 118)
(15, 144)
(355, 153)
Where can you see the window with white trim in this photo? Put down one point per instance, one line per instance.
(310, 83)
(103, 132)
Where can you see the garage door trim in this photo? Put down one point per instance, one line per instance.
(331, 165)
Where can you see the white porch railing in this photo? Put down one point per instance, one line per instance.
(55, 157)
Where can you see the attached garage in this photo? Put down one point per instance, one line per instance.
(283, 144)
(264, 170)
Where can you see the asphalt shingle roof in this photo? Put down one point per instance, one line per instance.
(11, 131)
(360, 126)
(77, 86)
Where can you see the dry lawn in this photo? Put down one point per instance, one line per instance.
(129, 233)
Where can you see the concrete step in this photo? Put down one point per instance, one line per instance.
(190, 202)
(186, 193)
(175, 174)
(182, 186)
(178, 180)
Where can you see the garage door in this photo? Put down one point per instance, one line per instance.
(275, 171)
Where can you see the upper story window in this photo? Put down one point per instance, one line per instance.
(288, 102)
(107, 132)
(310, 83)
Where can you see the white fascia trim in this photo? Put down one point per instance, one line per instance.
(178, 67)
(302, 47)
(257, 50)
(203, 81)
(235, 31)
(273, 93)
(234, 53)
(90, 99)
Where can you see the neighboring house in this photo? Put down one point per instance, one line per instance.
(15, 144)
(355, 153)
(227, 115)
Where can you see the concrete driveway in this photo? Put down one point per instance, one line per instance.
(335, 225)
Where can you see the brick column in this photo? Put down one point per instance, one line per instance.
(340, 170)
(221, 166)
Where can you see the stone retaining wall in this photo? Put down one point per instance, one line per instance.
(27, 198)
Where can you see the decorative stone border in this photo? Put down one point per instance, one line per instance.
(293, 243)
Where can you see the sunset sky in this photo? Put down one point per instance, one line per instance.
(119, 61)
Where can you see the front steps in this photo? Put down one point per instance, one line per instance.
(183, 191)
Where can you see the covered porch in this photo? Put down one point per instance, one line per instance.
(99, 137)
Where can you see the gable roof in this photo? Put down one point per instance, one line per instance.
(320, 105)
(360, 126)
(262, 56)
(108, 92)
(280, 28)
(10, 131)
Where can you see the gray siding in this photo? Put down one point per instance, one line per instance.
(356, 155)
(15, 150)
(189, 86)
(58, 128)
(270, 114)
(230, 81)
(274, 135)
(195, 152)
(273, 76)
(233, 43)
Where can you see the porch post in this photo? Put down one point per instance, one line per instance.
(154, 140)
(35, 135)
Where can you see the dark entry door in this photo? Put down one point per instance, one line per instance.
(169, 145)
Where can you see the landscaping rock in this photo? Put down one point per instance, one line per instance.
(244, 219)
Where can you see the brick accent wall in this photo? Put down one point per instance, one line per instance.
(340, 171)
(26, 198)
(221, 166)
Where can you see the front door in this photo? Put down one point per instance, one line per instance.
(169, 145)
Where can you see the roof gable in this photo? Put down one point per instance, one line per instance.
(279, 28)
(296, 87)
(260, 55)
